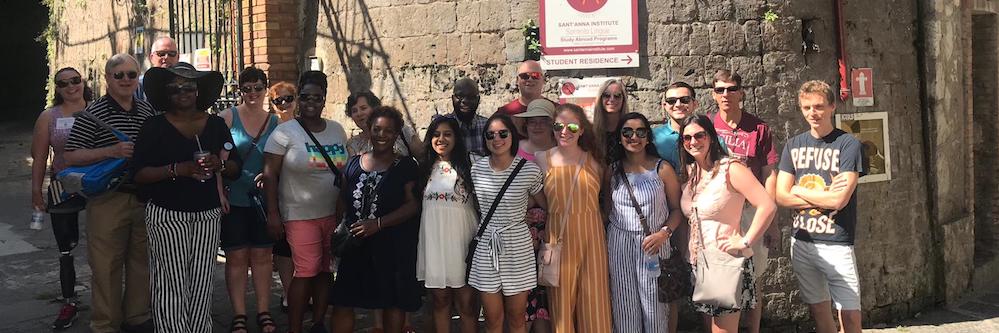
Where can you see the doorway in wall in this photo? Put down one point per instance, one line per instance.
(985, 113)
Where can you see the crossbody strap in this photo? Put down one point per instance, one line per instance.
(256, 139)
(329, 161)
(634, 201)
(499, 196)
(568, 207)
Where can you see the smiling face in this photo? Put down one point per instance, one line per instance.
(567, 121)
(817, 111)
(465, 98)
(530, 79)
(311, 101)
(283, 95)
(502, 138)
(538, 126)
(678, 103)
(360, 112)
(442, 140)
(183, 93)
(123, 79)
(383, 134)
(612, 98)
(253, 92)
(72, 85)
(696, 141)
(634, 136)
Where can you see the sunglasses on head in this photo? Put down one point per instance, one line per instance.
(682, 99)
(641, 132)
(248, 89)
(185, 87)
(572, 127)
(503, 134)
(699, 136)
(163, 54)
(530, 75)
(121, 75)
(283, 100)
(614, 96)
(721, 90)
(65, 83)
(311, 98)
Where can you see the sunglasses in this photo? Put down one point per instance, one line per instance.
(179, 88)
(248, 89)
(614, 96)
(65, 83)
(682, 99)
(283, 100)
(641, 132)
(530, 75)
(121, 75)
(700, 136)
(315, 98)
(572, 127)
(163, 54)
(732, 89)
(503, 134)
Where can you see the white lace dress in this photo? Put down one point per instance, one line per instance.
(448, 224)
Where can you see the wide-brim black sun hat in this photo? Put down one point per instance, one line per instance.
(155, 80)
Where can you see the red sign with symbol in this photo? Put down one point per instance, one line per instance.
(862, 86)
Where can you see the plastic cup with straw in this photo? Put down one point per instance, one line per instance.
(200, 154)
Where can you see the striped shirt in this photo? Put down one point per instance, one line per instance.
(87, 134)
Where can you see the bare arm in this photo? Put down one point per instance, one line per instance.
(785, 181)
(743, 181)
(836, 198)
(271, 179)
(410, 207)
(154, 174)
(39, 159)
(91, 156)
(672, 187)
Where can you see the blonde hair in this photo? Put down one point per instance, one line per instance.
(600, 113)
(818, 87)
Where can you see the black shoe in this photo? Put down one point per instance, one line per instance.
(145, 327)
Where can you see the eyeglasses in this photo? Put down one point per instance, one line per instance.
(458, 98)
(314, 98)
(721, 90)
(163, 54)
(700, 136)
(682, 99)
(248, 89)
(530, 75)
(121, 75)
(179, 88)
(614, 96)
(503, 134)
(65, 83)
(641, 132)
(572, 127)
(283, 100)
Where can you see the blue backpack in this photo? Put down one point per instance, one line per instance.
(94, 179)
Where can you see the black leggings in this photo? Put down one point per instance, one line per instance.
(66, 228)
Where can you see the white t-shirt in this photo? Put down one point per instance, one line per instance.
(306, 190)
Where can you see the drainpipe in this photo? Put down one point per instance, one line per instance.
(844, 85)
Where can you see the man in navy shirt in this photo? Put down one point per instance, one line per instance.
(818, 181)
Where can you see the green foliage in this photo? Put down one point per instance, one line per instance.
(770, 15)
(532, 40)
(50, 36)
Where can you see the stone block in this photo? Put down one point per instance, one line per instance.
(487, 48)
(754, 37)
(435, 18)
(494, 15)
(727, 38)
(714, 10)
(711, 65)
(958, 255)
(750, 68)
(513, 45)
(457, 49)
(689, 69)
(672, 40)
(782, 35)
(749, 9)
(673, 11)
(700, 39)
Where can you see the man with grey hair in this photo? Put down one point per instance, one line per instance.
(116, 230)
(163, 54)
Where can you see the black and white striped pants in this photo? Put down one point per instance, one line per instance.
(182, 247)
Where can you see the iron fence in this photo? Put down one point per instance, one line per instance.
(211, 30)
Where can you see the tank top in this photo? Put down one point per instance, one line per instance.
(253, 157)
(59, 128)
(719, 210)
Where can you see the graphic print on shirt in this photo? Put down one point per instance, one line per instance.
(814, 220)
(338, 153)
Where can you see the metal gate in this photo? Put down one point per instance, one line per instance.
(211, 29)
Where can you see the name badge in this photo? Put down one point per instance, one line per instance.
(65, 123)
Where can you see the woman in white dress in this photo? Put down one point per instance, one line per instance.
(449, 221)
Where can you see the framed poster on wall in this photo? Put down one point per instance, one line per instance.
(871, 129)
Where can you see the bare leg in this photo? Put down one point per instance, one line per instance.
(442, 309)
(726, 323)
(342, 320)
(261, 267)
(850, 320)
(492, 304)
(514, 307)
(674, 315)
(320, 297)
(393, 320)
(822, 312)
(468, 309)
(286, 270)
(298, 299)
(754, 315)
(235, 279)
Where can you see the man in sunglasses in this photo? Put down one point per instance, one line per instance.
(163, 54)
(465, 100)
(116, 229)
(531, 83)
(750, 139)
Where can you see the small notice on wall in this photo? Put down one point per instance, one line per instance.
(582, 92)
(863, 86)
(871, 129)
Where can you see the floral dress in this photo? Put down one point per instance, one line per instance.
(448, 223)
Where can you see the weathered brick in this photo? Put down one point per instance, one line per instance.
(727, 38)
(753, 33)
(782, 35)
(514, 45)
(750, 68)
(749, 9)
(700, 36)
(715, 10)
(689, 69)
(672, 40)
(672, 11)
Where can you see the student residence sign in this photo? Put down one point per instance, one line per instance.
(587, 34)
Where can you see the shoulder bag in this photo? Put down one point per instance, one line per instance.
(256, 197)
(550, 254)
(717, 275)
(474, 242)
(97, 178)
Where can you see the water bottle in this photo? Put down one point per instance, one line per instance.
(36, 220)
(652, 264)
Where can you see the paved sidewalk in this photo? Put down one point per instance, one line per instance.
(976, 313)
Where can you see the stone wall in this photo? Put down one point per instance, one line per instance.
(410, 51)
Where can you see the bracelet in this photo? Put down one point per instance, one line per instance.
(668, 230)
(173, 171)
(379, 223)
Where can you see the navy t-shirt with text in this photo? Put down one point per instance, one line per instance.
(814, 163)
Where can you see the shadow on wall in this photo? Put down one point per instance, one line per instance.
(21, 23)
(351, 52)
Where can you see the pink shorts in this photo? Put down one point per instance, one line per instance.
(310, 245)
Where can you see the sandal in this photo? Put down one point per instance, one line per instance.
(265, 320)
(238, 324)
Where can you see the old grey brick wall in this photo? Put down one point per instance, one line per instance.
(409, 51)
